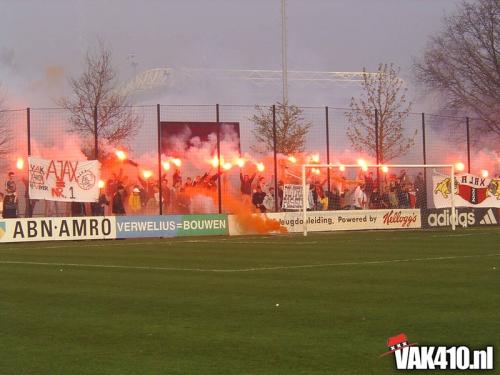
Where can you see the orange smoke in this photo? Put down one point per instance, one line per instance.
(248, 221)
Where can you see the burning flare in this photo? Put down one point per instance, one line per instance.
(121, 155)
(214, 162)
(459, 166)
(20, 163)
(240, 162)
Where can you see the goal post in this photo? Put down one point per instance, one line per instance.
(378, 167)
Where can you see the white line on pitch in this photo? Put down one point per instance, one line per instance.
(159, 242)
(153, 268)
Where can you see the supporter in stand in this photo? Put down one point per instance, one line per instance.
(98, 208)
(393, 198)
(10, 205)
(261, 182)
(333, 199)
(78, 209)
(258, 199)
(118, 207)
(269, 200)
(369, 185)
(183, 201)
(375, 200)
(246, 187)
(10, 184)
(166, 195)
(403, 177)
(320, 199)
(420, 191)
(136, 199)
(29, 203)
(386, 199)
(188, 184)
(176, 177)
(281, 185)
(359, 198)
(402, 194)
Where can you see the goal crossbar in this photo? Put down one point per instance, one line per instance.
(305, 191)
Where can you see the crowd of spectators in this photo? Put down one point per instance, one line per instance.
(393, 191)
(197, 195)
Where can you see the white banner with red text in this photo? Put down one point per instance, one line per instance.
(470, 191)
(64, 180)
(324, 221)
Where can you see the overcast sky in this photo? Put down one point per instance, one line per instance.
(43, 42)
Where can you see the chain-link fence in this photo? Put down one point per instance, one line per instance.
(183, 159)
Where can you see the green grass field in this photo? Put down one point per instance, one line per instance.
(210, 305)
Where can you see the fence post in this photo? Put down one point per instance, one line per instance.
(219, 187)
(160, 190)
(424, 154)
(327, 147)
(96, 141)
(376, 137)
(276, 195)
(29, 207)
(28, 129)
(468, 143)
(377, 148)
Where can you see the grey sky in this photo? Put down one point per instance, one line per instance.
(335, 35)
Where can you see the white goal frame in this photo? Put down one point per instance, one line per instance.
(305, 191)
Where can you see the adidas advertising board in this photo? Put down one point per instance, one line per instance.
(464, 217)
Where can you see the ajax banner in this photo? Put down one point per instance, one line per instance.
(57, 228)
(64, 180)
(470, 191)
(171, 226)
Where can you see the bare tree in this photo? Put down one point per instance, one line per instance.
(5, 131)
(384, 92)
(96, 107)
(291, 129)
(462, 62)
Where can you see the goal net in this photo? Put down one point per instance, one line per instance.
(367, 196)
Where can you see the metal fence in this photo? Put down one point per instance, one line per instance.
(48, 133)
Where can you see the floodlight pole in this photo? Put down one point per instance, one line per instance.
(284, 62)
